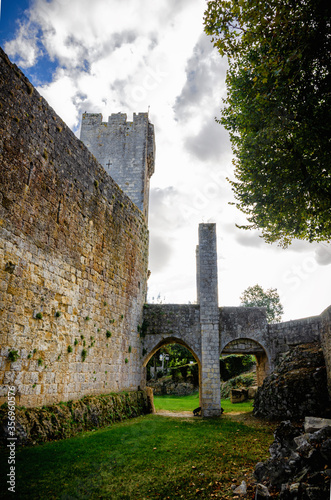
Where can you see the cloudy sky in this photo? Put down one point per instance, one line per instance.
(110, 56)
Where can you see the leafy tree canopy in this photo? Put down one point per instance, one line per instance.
(255, 296)
(278, 112)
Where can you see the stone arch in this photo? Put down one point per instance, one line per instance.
(167, 341)
(247, 345)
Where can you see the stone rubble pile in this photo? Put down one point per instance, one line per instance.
(168, 386)
(296, 388)
(299, 467)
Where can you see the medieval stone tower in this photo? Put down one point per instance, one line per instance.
(125, 149)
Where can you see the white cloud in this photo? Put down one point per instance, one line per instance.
(210, 143)
(67, 99)
(24, 47)
(323, 254)
(205, 81)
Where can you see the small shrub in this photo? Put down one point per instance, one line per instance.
(143, 329)
(57, 314)
(130, 348)
(108, 334)
(87, 318)
(126, 360)
(84, 354)
(245, 380)
(39, 316)
(76, 342)
(13, 355)
(69, 348)
(40, 361)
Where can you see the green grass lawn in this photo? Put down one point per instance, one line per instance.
(188, 403)
(149, 457)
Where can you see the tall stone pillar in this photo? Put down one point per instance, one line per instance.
(198, 274)
(209, 321)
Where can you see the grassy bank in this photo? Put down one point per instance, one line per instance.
(188, 403)
(149, 457)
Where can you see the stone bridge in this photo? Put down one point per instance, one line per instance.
(208, 331)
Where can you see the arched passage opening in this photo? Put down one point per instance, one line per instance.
(173, 341)
(249, 346)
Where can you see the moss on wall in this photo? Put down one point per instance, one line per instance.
(65, 419)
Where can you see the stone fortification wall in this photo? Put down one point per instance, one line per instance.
(125, 149)
(243, 322)
(73, 259)
(245, 330)
(283, 336)
(170, 323)
(326, 342)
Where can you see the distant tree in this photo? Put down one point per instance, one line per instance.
(255, 296)
(278, 112)
(233, 365)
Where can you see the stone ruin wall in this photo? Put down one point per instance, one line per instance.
(242, 330)
(326, 342)
(285, 336)
(73, 249)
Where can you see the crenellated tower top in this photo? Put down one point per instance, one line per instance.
(125, 149)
